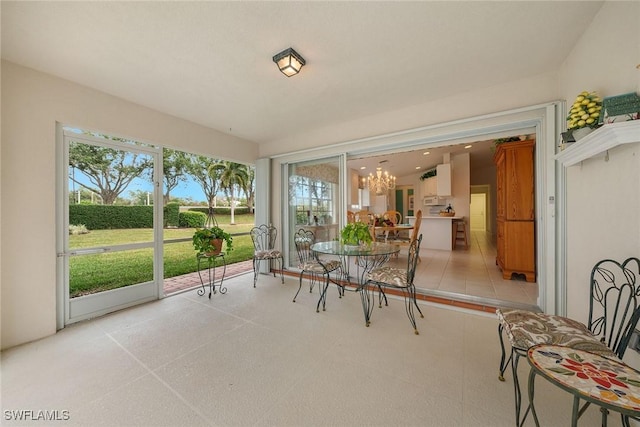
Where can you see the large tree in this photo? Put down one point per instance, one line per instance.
(233, 176)
(249, 188)
(202, 170)
(174, 166)
(109, 171)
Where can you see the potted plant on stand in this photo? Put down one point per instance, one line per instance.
(208, 241)
(355, 234)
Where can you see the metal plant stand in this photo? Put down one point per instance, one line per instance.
(211, 271)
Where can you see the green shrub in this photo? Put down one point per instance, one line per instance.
(105, 217)
(240, 210)
(172, 214)
(78, 229)
(191, 219)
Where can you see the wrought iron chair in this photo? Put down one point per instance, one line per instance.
(311, 265)
(414, 234)
(264, 240)
(396, 278)
(614, 310)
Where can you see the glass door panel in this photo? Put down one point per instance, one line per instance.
(110, 251)
(315, 193)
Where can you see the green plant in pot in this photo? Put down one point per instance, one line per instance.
(355, 233)
(208, 241)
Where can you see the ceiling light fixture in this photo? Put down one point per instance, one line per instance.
(381, 183)
(467, 146)
(289, 62)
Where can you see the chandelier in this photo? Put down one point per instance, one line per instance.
(381, 182)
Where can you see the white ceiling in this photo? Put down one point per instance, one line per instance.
(210, 62)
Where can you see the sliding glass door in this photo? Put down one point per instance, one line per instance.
(113, 244)
(315, 200)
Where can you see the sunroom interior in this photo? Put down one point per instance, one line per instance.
(200, 77)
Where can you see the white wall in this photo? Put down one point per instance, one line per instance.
(602, 197)
(32, 103)
(530, 91)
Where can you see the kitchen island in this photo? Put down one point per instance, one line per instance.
(436, 230)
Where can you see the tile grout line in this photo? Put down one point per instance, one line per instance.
(164, 383)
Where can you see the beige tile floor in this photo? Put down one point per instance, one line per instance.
(251, 357)
(470, 275)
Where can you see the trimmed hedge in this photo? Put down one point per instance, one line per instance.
(106, 217)
(240, 210)
(171, 214)
(192, 219)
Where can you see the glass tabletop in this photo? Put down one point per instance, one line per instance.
(371, 249)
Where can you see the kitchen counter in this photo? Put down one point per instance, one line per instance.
(436, 230)
(441, 217)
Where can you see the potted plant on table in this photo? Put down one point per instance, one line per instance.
(208, 241)
(355, 233)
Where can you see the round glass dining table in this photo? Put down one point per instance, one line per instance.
(367, 257)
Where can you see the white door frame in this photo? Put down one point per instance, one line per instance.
(545, 120)
(69, 311)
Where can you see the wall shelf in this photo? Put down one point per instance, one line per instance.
(600, 141)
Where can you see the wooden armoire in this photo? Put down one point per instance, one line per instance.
(515, 210)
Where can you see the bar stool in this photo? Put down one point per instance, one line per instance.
(459, 233)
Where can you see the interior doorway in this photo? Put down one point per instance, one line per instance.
(481, 217)
(478, 212)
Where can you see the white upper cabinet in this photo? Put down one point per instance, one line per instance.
(430, 186)
(444, 179)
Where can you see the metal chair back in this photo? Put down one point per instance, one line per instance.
(263, 237)
(412, 259)
(614, 307)
(303, 240)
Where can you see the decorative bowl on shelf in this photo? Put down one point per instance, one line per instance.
(445, 213)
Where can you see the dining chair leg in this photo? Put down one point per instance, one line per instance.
(382, 295)
(255, 271)
(408, 305)
(299, 287)
(503, 361)
(323, 295)
(281, 270)
(415, 302)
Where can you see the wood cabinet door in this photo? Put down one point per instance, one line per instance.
(519, 250)
(500, 244)
(500, 190)
(519, 182)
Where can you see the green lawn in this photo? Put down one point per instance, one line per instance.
(111, 270)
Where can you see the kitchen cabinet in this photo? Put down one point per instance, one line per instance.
(515, 210)
(430, 186)
(443, 176)
(439, 185)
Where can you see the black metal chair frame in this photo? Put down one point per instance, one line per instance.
(614, 311)
(264, 240)
(408, 291)
(303, 240)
